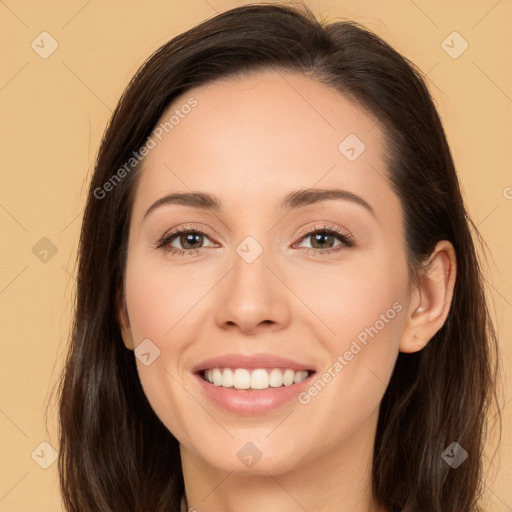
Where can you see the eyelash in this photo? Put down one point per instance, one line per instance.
(346, 239)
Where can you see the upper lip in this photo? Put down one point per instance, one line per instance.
(250, 361)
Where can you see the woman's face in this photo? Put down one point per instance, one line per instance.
(263, 286)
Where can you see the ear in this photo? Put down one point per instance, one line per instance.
(430, 302)
(123, 320)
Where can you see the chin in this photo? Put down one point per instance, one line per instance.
(248, 460)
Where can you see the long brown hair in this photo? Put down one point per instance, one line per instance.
(115, 454)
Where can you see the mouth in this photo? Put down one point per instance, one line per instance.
(253, 391)
(254, 378)
(252, 384)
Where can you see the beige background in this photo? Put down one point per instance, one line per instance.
(54, 111)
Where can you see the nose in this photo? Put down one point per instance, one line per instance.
(253, 297)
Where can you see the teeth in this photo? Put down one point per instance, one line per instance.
(228, 378)
(289, 377)
(217, 377)
(260, 378)
(275, 379)
(241, 379)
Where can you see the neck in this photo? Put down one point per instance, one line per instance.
(338, 479)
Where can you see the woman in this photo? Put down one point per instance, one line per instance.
(279, 305)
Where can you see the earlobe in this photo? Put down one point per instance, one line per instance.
(432, 299)
(123, 321)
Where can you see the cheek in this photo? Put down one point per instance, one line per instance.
(155, 306)
(160, 299)
(351, 296)
(363, 306)
(157, 302)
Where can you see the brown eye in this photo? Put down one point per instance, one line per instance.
(323, 240)
(191, 240)
(182, 241)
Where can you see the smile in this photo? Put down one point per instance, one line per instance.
(255, 378)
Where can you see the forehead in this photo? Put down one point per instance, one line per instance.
(253, 138)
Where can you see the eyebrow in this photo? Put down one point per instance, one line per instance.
(293, 200)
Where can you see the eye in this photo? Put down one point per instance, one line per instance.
(322, 240)
(190, 239)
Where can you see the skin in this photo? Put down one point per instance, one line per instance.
(251, 141)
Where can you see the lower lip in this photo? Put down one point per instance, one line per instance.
(252, 401)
